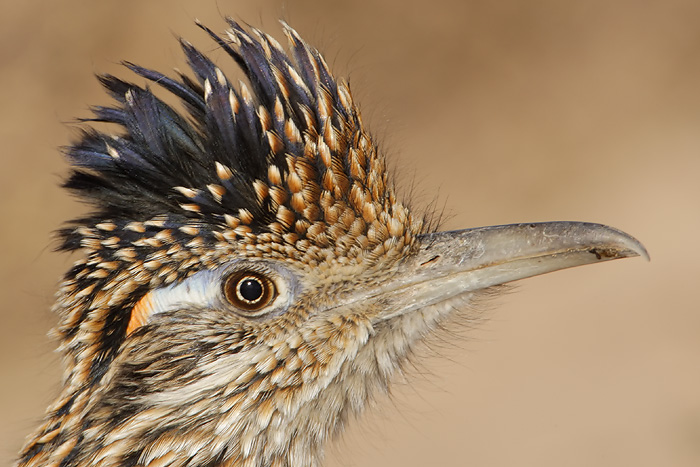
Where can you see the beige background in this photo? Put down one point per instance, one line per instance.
(508, 111)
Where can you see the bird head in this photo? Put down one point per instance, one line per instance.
(250, 278)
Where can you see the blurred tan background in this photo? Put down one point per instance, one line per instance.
(508, 111)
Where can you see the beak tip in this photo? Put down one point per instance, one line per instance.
(633, 247)
(643, 252)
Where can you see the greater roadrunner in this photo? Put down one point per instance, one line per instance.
(250, 278)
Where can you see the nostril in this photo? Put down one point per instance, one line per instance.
(431, 260)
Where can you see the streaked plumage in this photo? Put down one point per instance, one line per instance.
(276, 179)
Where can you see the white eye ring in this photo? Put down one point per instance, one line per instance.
(220, 289)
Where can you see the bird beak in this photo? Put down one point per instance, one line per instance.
(448, 264)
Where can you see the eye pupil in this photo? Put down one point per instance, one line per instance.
(250, 289)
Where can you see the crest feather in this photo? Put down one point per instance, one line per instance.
(136, 176)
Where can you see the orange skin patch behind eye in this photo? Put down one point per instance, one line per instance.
(140, 313)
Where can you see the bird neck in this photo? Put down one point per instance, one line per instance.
(258, 413)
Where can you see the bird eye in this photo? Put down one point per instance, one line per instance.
(249, 290)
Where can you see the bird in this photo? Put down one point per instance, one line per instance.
(249, 280)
